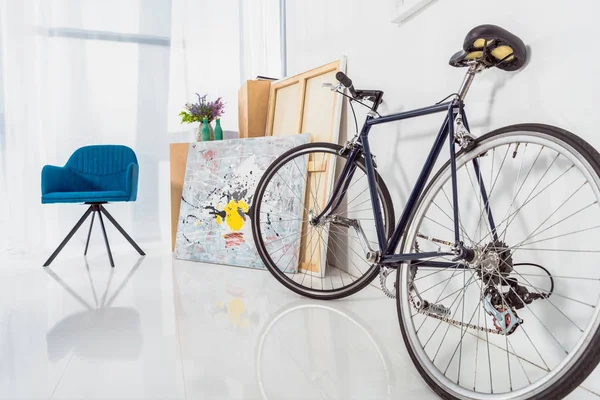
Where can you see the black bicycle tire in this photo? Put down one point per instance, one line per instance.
(260, 188)
(588, 362)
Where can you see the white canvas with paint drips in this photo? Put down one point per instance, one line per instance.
(220, 180)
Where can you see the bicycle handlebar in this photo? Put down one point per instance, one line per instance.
(344, 80)
(376, 96)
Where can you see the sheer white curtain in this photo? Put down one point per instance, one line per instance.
(205, 59)
(4, 212)
(215, 47)
(79, 72)
(261, 36)
(76, 73)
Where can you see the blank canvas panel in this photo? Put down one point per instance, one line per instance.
(286, 117)
(319, 108)
(300, 104)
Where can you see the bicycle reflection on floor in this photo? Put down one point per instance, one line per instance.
(330, 375)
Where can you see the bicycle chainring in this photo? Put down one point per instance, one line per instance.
(384, 272)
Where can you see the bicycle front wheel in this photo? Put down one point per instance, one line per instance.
(326, 261)
(520, 320)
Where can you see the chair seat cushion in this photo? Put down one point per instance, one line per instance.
(84, 197)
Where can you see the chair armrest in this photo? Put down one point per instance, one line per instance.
(131, 181)
(54, 178)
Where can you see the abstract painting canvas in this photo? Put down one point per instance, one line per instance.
(220, 180)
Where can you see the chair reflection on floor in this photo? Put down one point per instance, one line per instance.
(100, 331)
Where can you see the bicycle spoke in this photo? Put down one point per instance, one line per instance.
(309, 261)
(446, 214)
(536, 317)
(514, 214)
(351, 260)
(463, 332)
(547, 299)
(448, 327)
(551, 215)
(312, 194)
(438, 298)
(559, 295)
(440, 321)
(294, 193)
(564, 219)
(462, 228)
(535, 187)
(319, 182)
(515, 193)
(516, 247)
(563, 277)
(479, 200)
(443, 226)
(491, 192)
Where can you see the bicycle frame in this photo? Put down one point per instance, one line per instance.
(386, 255)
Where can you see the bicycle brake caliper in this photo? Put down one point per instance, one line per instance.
(461, 134)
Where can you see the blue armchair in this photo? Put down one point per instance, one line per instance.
(94, 175)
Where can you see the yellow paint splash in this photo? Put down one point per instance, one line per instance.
(235, 310)
(233, 218)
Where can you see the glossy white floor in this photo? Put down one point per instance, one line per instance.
(157, 328)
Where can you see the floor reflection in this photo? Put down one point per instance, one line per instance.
(325, 342)
(101, 331)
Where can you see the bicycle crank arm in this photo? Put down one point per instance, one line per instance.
(370, 254)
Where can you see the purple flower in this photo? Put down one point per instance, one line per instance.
(203, 109)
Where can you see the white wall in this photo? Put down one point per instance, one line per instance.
(560, 86)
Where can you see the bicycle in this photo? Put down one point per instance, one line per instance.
(496, 284)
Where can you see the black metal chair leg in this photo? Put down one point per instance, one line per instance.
(120, 229)
(69, 236)
(110, 257)
(89, 233)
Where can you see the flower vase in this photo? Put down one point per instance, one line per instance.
(218, 132)
(199, 132)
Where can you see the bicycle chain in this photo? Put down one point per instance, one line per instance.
(449, 320)
(383, 274)
(453, 321)
(382, 278)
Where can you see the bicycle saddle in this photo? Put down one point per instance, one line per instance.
(494, 46)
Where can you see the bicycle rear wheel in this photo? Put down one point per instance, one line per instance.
(331, 263)
(521, 320)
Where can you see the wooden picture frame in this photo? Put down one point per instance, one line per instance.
(300, 104)
(178, 154)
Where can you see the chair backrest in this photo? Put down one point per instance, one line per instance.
(102, 167)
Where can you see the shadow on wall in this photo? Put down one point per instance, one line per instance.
(399, 179)
(501, 78)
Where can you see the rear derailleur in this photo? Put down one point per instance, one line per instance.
(502, 306)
